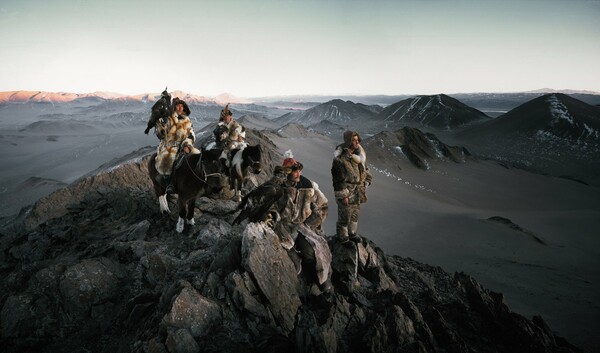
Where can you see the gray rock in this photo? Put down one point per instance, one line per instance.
(138, 231)
(17, 316)
(214, 230)
(92, 281)
(181, 341)
(159, 266)
(194, 312)
(273, 271)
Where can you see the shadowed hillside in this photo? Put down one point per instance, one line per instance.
(554, 134)
(110, 274)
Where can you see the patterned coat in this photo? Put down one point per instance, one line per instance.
(350, 175)
(302, 210)
(303, 203)
(177, 131)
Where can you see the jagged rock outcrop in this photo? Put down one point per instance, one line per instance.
(414, 146)
(111, 275)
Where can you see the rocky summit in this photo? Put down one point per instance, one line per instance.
(103, 271)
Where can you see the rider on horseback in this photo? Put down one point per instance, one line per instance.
(228, 134)
(178, 139)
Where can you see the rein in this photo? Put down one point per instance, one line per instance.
(203, 171)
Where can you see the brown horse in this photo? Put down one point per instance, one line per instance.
(197, 174)
(242, 160)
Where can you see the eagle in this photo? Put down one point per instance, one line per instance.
(256, 204)
(160, 109)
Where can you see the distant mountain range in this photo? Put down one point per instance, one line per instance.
(504, 101)
(62, 97)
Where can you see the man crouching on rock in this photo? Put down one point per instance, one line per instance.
(301, 212)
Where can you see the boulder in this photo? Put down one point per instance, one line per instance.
(194, 312)
(273, 272)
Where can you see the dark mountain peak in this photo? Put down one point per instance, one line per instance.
(439, 111)
(336, 110)
(293, 130)
(554, 133)
(412, 145)
(554, 115)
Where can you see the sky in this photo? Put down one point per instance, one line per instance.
(287, 47)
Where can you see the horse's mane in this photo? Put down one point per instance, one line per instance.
(213, 154)
(253, 151)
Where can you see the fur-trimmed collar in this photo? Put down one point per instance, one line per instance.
(359, 156)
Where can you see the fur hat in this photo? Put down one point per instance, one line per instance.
(225, 112)
(348, 135)
(289, 163)
(186, 109)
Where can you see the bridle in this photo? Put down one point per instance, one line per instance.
(254, 163)
(206, 176)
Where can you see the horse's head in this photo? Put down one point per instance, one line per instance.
(220, 133)
(252, 155)
(213, 168)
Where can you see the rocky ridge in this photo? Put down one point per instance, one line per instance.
(108, 273)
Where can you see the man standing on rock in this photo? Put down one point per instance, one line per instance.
(350, 180)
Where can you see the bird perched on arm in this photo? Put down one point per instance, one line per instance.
(256, 205)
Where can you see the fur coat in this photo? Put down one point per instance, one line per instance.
(177, 132)
(350, 175)
(303, 203)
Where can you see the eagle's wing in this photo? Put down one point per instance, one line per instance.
(255, 206)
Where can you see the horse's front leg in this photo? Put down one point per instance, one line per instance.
(190, 212)
(163, 204)
(182, 214)
(237, 193)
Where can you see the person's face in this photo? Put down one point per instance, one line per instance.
(295, 175)
(354, 144)
(227, 119)
(179, 109)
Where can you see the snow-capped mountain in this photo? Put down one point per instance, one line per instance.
(337, 111)
(553, 116)
(56, 97)
(439, 111)
(64, 97)
(225, 98)
(554, 133)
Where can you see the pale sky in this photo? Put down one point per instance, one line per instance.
(262, 48)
